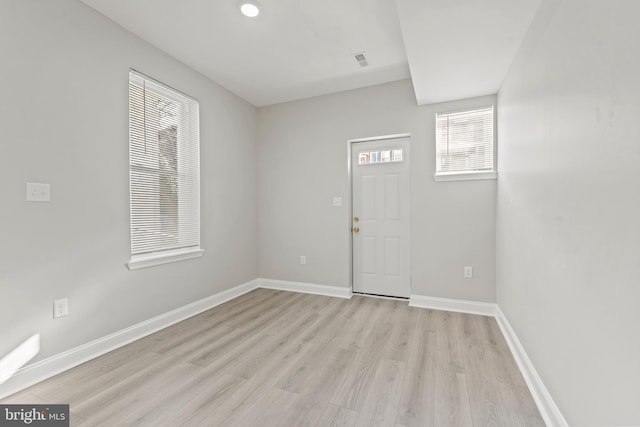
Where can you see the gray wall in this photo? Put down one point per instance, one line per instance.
(568, 206)
(303, 164)
(64, 121)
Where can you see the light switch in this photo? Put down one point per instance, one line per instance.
(337, 201)
(37, 192)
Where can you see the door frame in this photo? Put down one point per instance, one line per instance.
(350, 144)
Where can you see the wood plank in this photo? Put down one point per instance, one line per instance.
(381, 404)
(448, 329)
(201, 394)
(327, 377)
(523, 410)
(399, 346)
(76, 387)
(487, 405)
(452, 402)
(335, 416)
(417, 396)
(357, 383)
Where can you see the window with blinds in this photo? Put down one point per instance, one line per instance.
(465, 143)
(164, 173)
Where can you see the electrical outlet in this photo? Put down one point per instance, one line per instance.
(60, 308)
(468, 272)
(303, 260)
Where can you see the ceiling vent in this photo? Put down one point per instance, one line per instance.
(362, 60)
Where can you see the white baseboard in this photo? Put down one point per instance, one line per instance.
(547, 407)
(46, 368)
(41, 370)
(460, 306)
(307, 288)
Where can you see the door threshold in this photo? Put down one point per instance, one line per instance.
(381, 296)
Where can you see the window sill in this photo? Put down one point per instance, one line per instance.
(149, 260)
(465, 176)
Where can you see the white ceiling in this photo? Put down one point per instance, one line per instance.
(297, 49)
(462, 48)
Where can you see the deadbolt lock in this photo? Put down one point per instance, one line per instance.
(356, 219)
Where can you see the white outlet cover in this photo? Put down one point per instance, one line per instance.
(38, 192)
(60, 308)
(468, 272)
(337, 201)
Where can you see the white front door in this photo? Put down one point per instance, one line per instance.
(380, 222)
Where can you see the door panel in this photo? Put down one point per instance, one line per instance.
(368, 189)
(392, 256)
(380, 202)
(391, 196)
(368, 245)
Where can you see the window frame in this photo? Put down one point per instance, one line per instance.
(468, 175)
(189, 133)
(380, 160)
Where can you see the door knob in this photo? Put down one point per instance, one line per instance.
(356, 229)
(356, 219)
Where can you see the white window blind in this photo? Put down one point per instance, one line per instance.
(164, 172)
(464, 142)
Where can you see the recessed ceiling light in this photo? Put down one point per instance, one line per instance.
(250, 8)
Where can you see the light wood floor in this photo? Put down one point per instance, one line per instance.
(273, 358)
